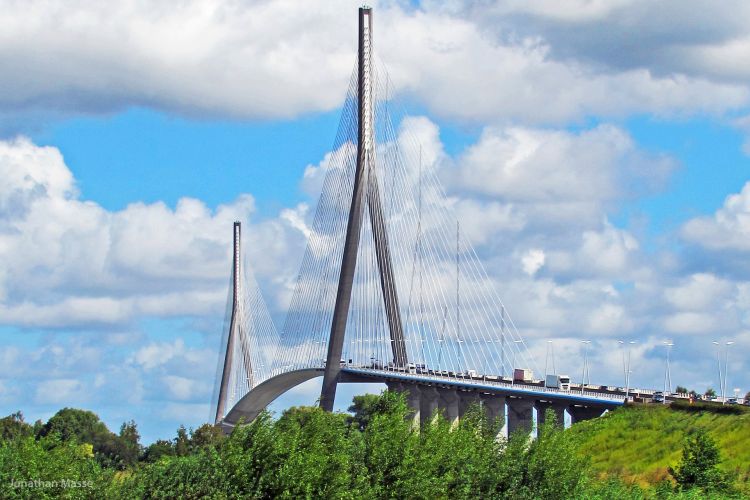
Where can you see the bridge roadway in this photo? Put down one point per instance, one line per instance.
(427, 393)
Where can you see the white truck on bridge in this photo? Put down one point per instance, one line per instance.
(561, 382)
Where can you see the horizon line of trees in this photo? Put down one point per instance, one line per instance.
(373, 452)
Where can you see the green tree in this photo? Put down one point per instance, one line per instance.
(182, 442)
(196, 476)
(129, 446)
(363, 408)
(681, 390)
(699, 467)
(50, 460)
(553, 468)
(207, 435)
(313, 453)
(710, 392)
(14, 427)
(447, 461)
(158, 449)
(83, 426)
(247, 455)
(388, 440)
(79, 425)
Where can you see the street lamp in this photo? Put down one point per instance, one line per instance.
(718, 364)
(667, 374)
(628, 371)
(726, 370)
(550, 354)
(585, 363)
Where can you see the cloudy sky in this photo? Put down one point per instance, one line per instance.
(599, 153)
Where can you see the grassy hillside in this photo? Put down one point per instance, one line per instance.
(639, 443)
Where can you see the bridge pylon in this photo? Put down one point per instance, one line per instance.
(365, 190)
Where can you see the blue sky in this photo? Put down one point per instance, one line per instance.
(606, 175)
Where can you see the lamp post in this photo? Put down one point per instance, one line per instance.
(550, 355)
(628, 371)
(726, 371)
(718, 364)
(667, 374)
(624, 367)
(585, 362)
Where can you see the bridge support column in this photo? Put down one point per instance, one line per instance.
(494, 409)
(428, 404)
(413, 398)
(465, 401)
(448, 404)
(520, 415)
(581, 413)
(541, 413)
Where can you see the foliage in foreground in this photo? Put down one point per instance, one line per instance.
(309, 453)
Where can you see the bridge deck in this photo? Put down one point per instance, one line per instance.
(494, 386)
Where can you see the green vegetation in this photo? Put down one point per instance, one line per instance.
(639, 444)
(699, 467)
(375, 452)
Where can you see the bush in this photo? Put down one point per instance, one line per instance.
(699, 465)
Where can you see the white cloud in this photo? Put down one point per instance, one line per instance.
(532, 261)
(69, 262)
(462, 69)
(555, 166)
(275, 59)
(708, 40)
(58, 391)
(184, 388)
(699, 292)
(690, 323)
(157, 354)
(727, 229)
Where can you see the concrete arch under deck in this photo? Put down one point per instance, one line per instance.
(261, 396)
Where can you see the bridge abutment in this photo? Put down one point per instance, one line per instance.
(581, 413)
(520, 415)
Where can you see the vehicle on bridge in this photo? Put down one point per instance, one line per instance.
(523, 375)
(561, 382)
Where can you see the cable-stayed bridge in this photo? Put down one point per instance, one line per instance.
(389, 290)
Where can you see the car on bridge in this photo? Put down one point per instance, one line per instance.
(658, 397)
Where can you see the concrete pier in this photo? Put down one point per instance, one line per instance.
(465, 401)
(428, 404)
(520, 415)
(448, 404)
(541, 412)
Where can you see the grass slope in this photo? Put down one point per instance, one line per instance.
(639, 443)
